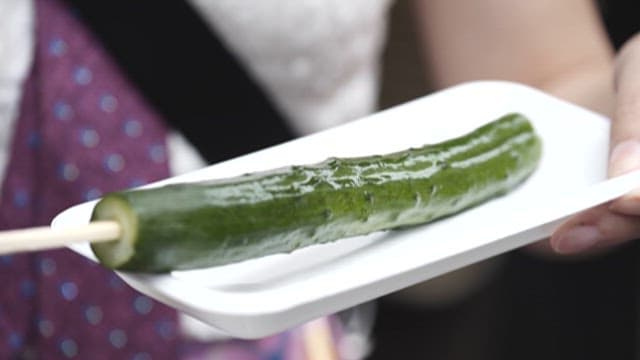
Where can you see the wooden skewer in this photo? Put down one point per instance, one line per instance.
(43, 238)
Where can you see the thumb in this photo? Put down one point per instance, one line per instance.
(626, 122)
(625, 127)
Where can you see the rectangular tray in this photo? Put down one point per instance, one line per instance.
(263, 296)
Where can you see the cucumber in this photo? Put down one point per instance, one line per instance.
(195, 225)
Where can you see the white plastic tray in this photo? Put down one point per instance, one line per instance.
(263, 296)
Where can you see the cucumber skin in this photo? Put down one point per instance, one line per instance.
(187, 226)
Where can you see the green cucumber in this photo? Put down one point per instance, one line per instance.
(195, 225)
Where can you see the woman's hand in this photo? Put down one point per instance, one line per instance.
(618, 221)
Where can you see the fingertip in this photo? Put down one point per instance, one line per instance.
(575, 239)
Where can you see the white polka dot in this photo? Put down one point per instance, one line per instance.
(62, 110)
(6, 259)
(69, 348)
(141, 356)
(93, 314)
(69, 171)
(137, 182)
(69, 290)
(46, 328)
(27, 288)
(34, 139)
(57, 47)
(133, 128)
(21, 198)
(114, 162)
(89, 138)
(157, 154)
(15, 340)
(118, 338)
(92, 194)
(108, 103)
(165, 329)
(143, 305)
(47, 266)
(82, 75)
(115, 282)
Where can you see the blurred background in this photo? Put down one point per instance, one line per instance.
(520, 306)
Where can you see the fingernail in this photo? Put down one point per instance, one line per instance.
(624, 157)
(577, 239)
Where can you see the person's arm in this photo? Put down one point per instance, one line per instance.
(558, 46)
(618, 221)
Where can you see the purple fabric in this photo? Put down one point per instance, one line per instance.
(84, 131)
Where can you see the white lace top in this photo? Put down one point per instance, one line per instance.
(317, 59)
(16, 51)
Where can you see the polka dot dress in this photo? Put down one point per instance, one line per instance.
(84, 131)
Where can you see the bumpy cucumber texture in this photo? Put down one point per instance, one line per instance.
(195, 225)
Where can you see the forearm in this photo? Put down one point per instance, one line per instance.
(557, 46)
